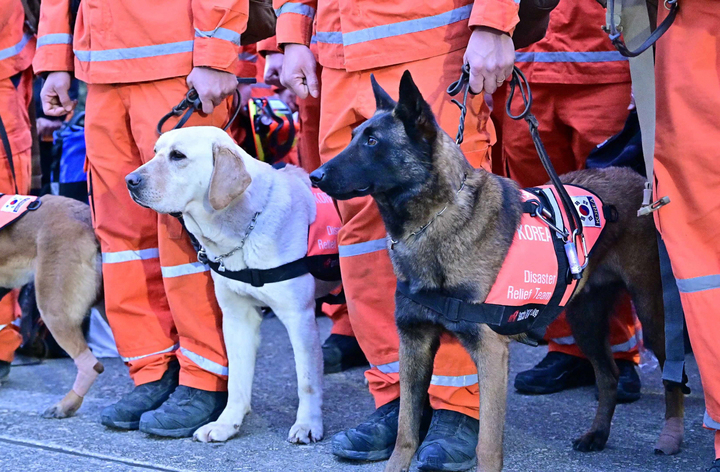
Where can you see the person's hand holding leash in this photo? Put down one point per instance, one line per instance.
(212, 86)
(273, 68)
(54, 95)
(299, 71)
(491, 55)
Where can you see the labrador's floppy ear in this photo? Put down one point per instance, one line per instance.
(229, 179)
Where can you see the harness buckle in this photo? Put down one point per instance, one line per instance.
(202, 256)
(255, 278)
(452, 308)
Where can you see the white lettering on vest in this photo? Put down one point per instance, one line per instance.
(534, 278)
(533, 233)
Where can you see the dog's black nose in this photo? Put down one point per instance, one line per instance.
(317, 176)
(133, 180)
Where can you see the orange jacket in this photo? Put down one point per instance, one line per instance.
(360, 35)
(575, 49)
(16, 45)
(139, 40)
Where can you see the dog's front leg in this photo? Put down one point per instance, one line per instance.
(305, 339)
(491, 357)
(418, 345)
(241, 330)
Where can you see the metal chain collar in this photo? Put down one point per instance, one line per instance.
(420, 230)
(203, 256)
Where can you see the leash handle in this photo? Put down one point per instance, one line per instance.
(614, 33)
(463, 83)
(191, 103)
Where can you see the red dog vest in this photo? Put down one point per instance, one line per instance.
(14, 207)
(534, 284)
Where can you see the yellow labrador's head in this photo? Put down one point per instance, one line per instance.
(190, 165)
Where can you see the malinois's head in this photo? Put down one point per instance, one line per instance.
(392, 153)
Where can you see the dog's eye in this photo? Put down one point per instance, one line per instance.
(371, 141)
(176, 155)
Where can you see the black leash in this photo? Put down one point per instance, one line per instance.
(8, 152)
(520, 82)
(614, 34)
(191, 103)
(463, 83)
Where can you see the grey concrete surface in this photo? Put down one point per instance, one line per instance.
(538, 436)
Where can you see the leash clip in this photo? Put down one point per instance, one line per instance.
(648, 206)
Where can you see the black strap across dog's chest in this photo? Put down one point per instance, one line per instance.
(505, 320)
(324, 267)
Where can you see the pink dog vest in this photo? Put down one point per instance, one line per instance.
(534, 283)
(14, 207)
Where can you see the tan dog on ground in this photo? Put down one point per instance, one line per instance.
(55, 246)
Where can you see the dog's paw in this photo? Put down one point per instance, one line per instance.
(63, 409)
(305, 433)
(591, 441)
(216, 432)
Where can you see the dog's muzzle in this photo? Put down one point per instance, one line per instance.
(134, 182)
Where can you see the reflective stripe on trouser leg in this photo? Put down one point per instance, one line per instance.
(188, 286)
(135, 301)
(623, 340)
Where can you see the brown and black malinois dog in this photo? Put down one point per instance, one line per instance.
(413, 169)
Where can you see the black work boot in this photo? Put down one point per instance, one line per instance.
(450, 442)
(4, 370)
(556, 372)
(186, 410)
(371, 440)
(342, 352)
(714, 467)
(126, 413)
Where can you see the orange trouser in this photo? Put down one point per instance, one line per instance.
(159, 300)
(14, 102)
(347, 100)
(573, 120)
(686, 170)
(309, 153)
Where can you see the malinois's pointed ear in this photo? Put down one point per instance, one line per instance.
(414, 112)
(229, 179)
(382, 99)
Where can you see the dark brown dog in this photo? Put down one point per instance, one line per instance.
(413, 169)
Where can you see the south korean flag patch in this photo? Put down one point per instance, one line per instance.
(588, 211)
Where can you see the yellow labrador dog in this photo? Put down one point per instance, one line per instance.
(55, 247)
(245, 214)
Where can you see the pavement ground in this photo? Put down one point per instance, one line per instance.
(538, 434)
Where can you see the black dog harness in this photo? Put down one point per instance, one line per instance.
(534, 283)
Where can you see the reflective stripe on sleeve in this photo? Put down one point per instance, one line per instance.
(15, 49)
(139, 52)
(220, 33)
(183, 269)
(358, 249)
(126, 256)
(203, 363)
(135, 358)
(57, 38)
(299, 8)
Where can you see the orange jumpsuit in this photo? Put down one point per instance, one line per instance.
(355, 39)
(16, 54)
(581, 91)
(686, 169)
(135, 56)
